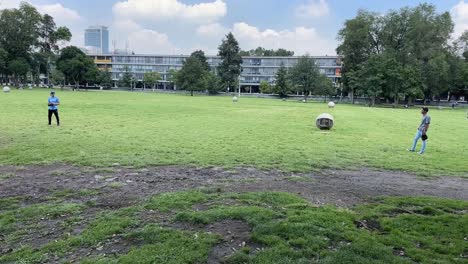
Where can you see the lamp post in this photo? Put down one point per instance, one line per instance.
(239, 80)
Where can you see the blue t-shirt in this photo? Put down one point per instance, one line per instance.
(426, 120)
(53, 100)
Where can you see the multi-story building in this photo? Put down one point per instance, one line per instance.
(97, 39)
(254, 69)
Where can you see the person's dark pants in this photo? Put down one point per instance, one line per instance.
(55, 112)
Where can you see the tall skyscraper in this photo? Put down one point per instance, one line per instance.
(97, 38)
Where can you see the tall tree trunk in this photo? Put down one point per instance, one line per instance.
(191, 92)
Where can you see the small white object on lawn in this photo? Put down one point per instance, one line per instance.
(235, 99)
(6, 89)
(331, 105)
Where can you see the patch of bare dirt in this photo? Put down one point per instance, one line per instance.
(118, 187)
(234, 234)
(121, 187)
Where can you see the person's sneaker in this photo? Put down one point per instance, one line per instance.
(420, 153)
(410, 150)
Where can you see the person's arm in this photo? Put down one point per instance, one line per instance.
(58, 102)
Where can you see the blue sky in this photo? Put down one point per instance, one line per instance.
(181, 26)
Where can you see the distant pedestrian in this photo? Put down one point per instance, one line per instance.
(422, 131)
(53, 102)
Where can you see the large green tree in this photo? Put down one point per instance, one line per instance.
(105, 78)
(281, 86)
(265, 87)
(76, 66)
(461, 45)
(171, 77)
(49, 37)
(192, 75)
(127, 79)
(405, 41)
(230, 67)
(19, 30)
(200, 55)
(38, 64)
(57, 77)
(25, 33)
(325, 86)
(358, 43)
(435, 76)
(305, 76)
(212, 83)
(19, 68)
(150, 79)
(3, 63)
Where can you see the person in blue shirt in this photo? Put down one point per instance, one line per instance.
(53, 102)
(422, 131)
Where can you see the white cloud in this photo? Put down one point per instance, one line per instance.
(301, 40)
(4, 4)
(126, 25)
(171, 10)
(460, 18)
(59, 12)
(212, 30)
(313, 9)
(142, 40)
(159, 42)
(63, 16)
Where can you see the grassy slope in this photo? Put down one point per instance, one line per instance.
(152, 129)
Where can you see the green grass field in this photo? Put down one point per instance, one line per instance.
(285, 229)
(87, 224)
(141, 129)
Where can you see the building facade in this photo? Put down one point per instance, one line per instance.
(97, 39)
(254, 69)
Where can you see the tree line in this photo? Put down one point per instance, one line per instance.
(30, 46)
(29, 42)
(405, 54)
(262, 52)
(304, 78)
